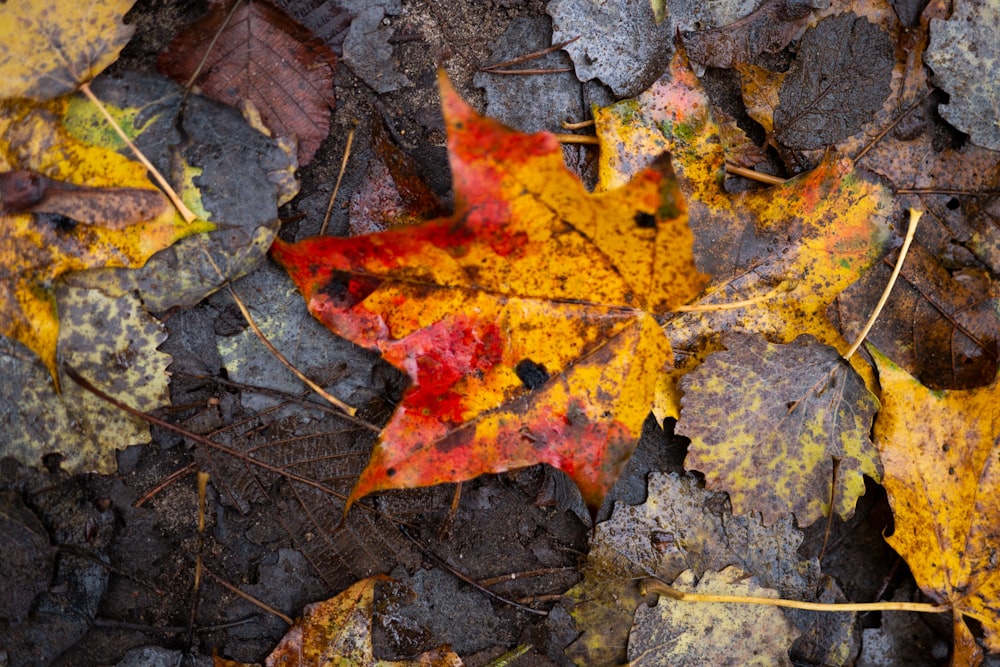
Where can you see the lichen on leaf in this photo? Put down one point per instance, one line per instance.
(527, 321)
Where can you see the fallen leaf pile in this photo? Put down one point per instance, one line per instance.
(540, 322)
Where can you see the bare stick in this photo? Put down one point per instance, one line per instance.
(577, 139)
(753, 175)
(910, 231)
(566, 125)
(249, 598)
(554, 70)
(168, 190)
(660, 588)
(330, 398)
(340, 176)
(528, 56)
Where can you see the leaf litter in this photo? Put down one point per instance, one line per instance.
(975, 245)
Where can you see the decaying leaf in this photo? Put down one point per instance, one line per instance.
(961, 51)
(786, 251)
(49, 48)
(525, 321)
(255, 52)
(112, 342)
(768, 29)
(942, 326)
(686, 633)
(777, 425)
(36, 249)
(939, 450)
(225, 170)
(838, 81)
(338, 632)
(683, 526)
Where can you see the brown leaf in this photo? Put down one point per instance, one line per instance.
(260, 55)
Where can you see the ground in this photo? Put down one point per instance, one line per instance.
(112, 558)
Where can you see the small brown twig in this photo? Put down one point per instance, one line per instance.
(767, 179)
(249, 598)
(340, 177)
(525, 58)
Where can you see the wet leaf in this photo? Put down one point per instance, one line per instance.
(768, 29)
(769, 423)
(84, 226)
(392, 192)
(525, 321)
(786, 251)
(683, 526)
(760, 93)
(338, 632)
(943, 327)
(837, 82)
(687, 633)
(111, 341)
(943, 479)
(50, 48)
(962, 49)
(261, 55)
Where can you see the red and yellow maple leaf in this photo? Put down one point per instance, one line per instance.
(526, 321)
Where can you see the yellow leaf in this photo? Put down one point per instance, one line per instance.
(50, 47)
(37, 248)
(941, 456)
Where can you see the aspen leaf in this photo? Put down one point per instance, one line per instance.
(526, 321)
(940, 453)
(49, 48)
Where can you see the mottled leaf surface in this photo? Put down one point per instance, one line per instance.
(689, 633)
(525, 321)
(768, 423)
(49, 48)
(683, 526)
(942, 473)
(962, 50)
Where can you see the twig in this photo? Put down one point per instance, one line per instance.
(211, 45)
(168, 190)
(661, 588)
(249, 598)
(577, 139)
(340, 176)
(529, 56)
(910, 231)
(553, 70)
(566, 125)
(753, 175)
(175, 476)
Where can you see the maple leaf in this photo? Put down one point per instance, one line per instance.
(252, 51)
(769, 424)
(783, 252)
(943, 483)
(526, 321)
(78, 224)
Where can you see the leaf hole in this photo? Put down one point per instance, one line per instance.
(532, 375)
(952, 204)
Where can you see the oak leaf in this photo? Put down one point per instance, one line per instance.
(255, 52)
(940, 452)
(50, 48)
(526, 321)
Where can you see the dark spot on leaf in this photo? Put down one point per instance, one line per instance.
(952, 204)
(52, 461)
(531, 374)
(346, 290)
(645, 220)
(391, 472)
(60, 223)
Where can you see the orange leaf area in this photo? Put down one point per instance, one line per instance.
(255, 52)
(940, 452)
(338, 631)
(526, 321)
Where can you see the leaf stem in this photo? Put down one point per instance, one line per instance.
(661, 588)
(340, 177)
(910, 231)
(577, 139)
(168, 190)
(758, 176)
